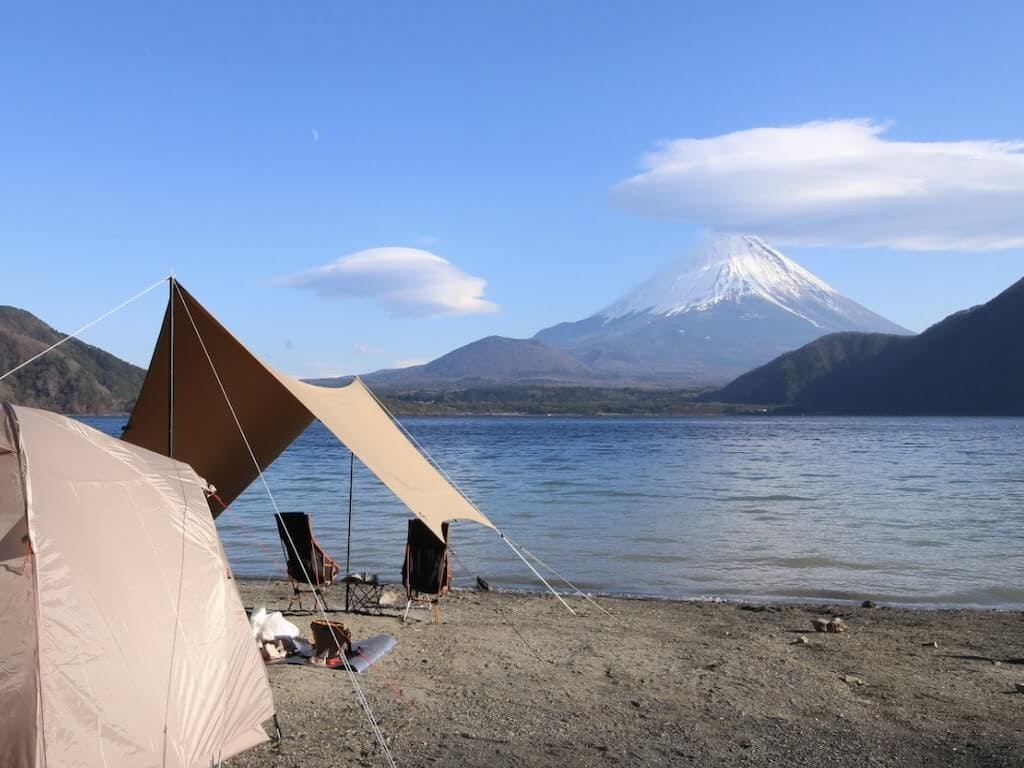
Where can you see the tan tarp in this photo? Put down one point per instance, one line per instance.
(356, 418)
(205, 434)
(129, 645)
(272, 409)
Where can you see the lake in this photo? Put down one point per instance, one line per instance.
(910, 511)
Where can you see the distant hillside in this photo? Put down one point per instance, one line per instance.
(75, 378)
(528, 399)
(786, 378)
(971, 363)
(489, 360)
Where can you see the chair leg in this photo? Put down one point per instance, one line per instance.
(408, 605)
(323, 600)
(437, 611)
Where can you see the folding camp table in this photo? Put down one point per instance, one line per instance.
(363, 597)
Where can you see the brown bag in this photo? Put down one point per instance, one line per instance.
(329, 637)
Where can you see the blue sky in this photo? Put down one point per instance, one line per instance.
(241, 144)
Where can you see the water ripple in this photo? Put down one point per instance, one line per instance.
(915, 510)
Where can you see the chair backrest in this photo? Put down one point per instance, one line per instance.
(425, 569)
(301, 550)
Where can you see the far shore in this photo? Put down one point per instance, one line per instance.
(514, 679)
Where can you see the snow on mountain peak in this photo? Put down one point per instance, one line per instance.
(728, 267)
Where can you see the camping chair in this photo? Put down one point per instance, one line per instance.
(426, 574)
(302, 552)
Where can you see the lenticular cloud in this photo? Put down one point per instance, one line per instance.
(839, 183)
(409, 282)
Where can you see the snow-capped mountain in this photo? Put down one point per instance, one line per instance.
(730, 268)
(736, 303)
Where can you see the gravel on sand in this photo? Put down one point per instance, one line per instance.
(514, 680)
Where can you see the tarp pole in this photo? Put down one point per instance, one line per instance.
(170, 369)
(348, 541)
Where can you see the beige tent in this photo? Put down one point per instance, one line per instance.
(204, 391)
(126, 642)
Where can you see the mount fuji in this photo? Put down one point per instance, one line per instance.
(734, 304)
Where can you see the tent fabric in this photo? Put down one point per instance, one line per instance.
(272, 409)
(141, 652)
(355, 417)
(205, 434)
(18, 681)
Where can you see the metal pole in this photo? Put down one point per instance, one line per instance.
(170, 370)
(348, 542)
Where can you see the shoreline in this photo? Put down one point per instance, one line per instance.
(513, 679)
(752, 411)
(822, 603)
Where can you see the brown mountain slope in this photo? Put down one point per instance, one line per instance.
(75, 378)
(488, 360)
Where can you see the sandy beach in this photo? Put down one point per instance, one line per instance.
(515, 680)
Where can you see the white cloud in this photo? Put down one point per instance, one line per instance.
(316, 135)
(839, 183)
(409, 282)
(408, 362)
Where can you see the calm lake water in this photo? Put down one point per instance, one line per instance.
(913, 511)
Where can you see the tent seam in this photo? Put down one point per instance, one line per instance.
(177, 607)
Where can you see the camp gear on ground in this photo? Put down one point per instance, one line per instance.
(297, 646)
(363, 592)
(269, 626)
(330, 637)
(364, 654)
(367, 652)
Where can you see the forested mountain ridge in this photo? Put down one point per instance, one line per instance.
(969, 364)
(75, 378)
